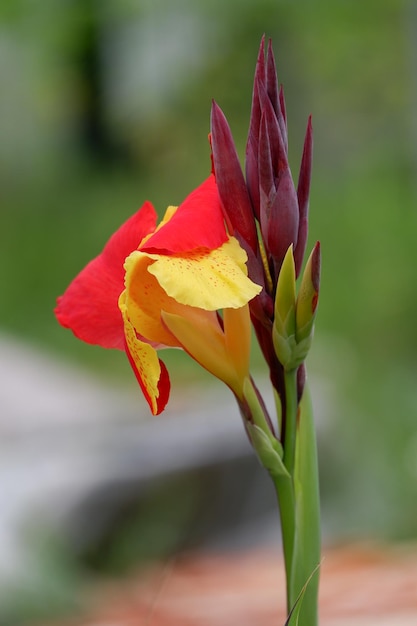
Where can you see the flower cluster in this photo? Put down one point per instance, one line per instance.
(163, 286)
(268, 215)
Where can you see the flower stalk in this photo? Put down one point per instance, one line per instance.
(283, 316)
(229, 256)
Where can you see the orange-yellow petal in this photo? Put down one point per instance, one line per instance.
(205, 343)
(237, 334)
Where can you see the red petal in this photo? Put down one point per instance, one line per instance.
(89, 307)
(164, 385)
(198, 223)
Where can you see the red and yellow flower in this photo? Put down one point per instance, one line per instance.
(156, 286)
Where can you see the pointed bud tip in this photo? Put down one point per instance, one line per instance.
(308, 141)
(215, 109)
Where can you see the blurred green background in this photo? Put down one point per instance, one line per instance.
(104, 105)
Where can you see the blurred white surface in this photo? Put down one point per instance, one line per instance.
(66, 437)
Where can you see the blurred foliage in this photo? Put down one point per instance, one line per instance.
(108, 105)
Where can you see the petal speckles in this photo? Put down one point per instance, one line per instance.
(145, 363)
(208, 280)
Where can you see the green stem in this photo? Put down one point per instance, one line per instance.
(282, 478)
(286, 503)
(299, 503)
(291, 410)
(295, 477)
(307, 545)
(285, 485)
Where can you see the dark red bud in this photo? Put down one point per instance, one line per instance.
(230, 181)
(279, 215)
(266, 172)
(258, 82)
(276, 142)
(252, 175)
(282, 226)
(272, 80)
(275, 95)
(303, 192)
(282, 104)
(252, 145)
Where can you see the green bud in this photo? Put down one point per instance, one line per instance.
(307, 299)
(283, 331)
(292, 331)
(285, 295)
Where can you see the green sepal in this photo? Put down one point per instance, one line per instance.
(290, 353)
(284, 346)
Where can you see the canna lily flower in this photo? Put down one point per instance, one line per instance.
(162, 286)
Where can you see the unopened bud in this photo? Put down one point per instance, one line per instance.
(284, 327)
(230, 181)
(308, 296)
(292, 331)
(269, 455)
(303, 191)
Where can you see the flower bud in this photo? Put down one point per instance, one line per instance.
(269, 179)
(265, 92)
(270, 456)
(230, 181)
(282, 224)
(308, 295)
(303, 191)
(292, 331)
(283, 330)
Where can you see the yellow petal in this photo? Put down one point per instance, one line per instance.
(144, 357)
(208, 280)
